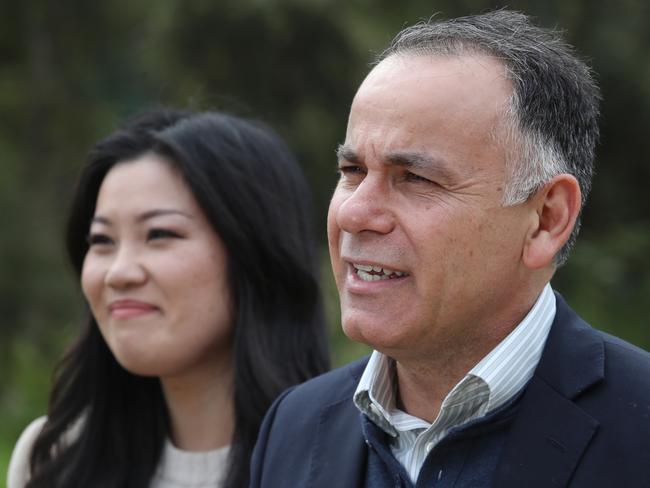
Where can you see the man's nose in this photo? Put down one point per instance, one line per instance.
(126, 269)
(367, 208)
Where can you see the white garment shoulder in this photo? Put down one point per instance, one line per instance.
(176, 469)
(18, 472)
(184, 469)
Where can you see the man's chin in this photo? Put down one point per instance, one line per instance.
(374, 334)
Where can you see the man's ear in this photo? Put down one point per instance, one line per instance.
(557, 206)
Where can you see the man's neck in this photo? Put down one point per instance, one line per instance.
(423, 385)
(423, 382)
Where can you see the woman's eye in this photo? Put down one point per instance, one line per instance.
(155, 234)
(98, 240)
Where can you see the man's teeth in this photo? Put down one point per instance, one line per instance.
(375, 273)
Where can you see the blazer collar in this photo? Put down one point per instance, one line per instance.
(551, 432)
(574, 355)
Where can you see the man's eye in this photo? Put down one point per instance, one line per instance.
(156, 234)
(350, 170)
(98, 240)
(412, 177)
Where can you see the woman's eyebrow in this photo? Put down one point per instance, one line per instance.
(98, 219)
(149, 214)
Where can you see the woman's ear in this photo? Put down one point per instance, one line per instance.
(557, 206)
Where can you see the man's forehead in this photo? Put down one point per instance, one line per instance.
(421, 69)
(437, 112)
(406, 92)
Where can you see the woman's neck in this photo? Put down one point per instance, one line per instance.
(201, 407)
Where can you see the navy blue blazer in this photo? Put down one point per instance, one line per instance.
(583, 421)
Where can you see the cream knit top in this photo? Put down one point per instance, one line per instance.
(176, 469)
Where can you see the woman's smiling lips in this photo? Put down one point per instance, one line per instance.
(127, 308)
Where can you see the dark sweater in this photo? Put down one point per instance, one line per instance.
(466, 457)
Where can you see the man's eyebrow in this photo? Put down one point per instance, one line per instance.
(422, 161)
(406, 159)
(411, 159)
(346, 153)
(149, 214)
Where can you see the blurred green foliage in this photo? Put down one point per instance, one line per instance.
(70, 71)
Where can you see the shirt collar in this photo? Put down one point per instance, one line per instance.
(375, 395)
(505, 370)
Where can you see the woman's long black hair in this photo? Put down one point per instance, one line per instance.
(106, 427)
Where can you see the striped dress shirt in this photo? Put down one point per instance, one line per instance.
(488, 385)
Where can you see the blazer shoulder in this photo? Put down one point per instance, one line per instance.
(628, 362)
(329, 388)
(624, 348)
(313, 423)
(302, 404)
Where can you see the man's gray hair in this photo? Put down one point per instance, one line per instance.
(551, 123)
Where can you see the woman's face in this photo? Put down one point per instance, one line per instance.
(155, 273)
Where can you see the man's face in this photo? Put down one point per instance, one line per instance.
(424, 254)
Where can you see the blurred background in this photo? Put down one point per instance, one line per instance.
(71, 70)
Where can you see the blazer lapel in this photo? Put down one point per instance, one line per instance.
(551, 431)
(340, 456)
(546, 441)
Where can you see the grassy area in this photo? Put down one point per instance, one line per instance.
(5, 454)
(23, 396)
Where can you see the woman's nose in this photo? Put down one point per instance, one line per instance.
(125, 270)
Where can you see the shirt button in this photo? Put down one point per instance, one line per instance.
(428, 447)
